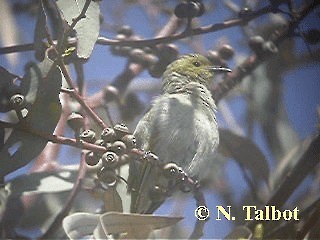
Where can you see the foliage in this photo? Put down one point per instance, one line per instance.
(55, 199)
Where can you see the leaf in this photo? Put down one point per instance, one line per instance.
(134, 225)
(43, 182)
(79, 225)
(34, 80)
(112, 200)
(87, 28)
(7, 89)
(244, 151)
(239, 232)
(41, 87)
(42, 207)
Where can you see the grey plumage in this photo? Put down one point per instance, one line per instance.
(180, 127)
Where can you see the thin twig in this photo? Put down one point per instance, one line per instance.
(253, 61)
(56, 139)
(310, 222)
(74, 93)
(250, 183)
(48, 35)
(81, 15)
(304, 166)
(160, 39)
(303, 215)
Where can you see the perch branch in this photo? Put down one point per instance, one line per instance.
(159, 39)
(253, 61)
(56, 139)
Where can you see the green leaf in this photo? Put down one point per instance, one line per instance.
(79, 225)
(46, 193)
(43, 182)
(41, 87)
(112, 200)
(134, 225)
(87, 28)
(244, 151)
(7, 89)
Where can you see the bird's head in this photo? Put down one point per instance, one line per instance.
(194, 67)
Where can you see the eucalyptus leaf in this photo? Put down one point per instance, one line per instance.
(87, 28)
(244, 151)
(79, 225)
(134, 226)
(112, 200)
(43, 209)
(41, 87)
(131, 226)
(43, 182)
(7, 89)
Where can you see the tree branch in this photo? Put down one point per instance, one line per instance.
(253, 61)
(160, 39)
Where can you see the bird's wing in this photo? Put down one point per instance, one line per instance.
(139, 169)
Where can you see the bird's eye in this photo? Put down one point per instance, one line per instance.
(197, 64)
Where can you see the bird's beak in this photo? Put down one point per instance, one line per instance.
(220, 69)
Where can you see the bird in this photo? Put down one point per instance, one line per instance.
(180, 130)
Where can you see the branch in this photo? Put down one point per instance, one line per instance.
(160, 39)
(309, 223)
(81, 15)
(133, 69)
(75, 94)
(56, 139)
(304, 166)
(253, 61)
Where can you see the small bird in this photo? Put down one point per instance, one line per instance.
(180, 128)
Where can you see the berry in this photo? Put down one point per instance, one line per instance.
(108, 135)
(91, 159)
(226, 52)
(75, 121)
(88, 136)
(121, 130)
(110, 159)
